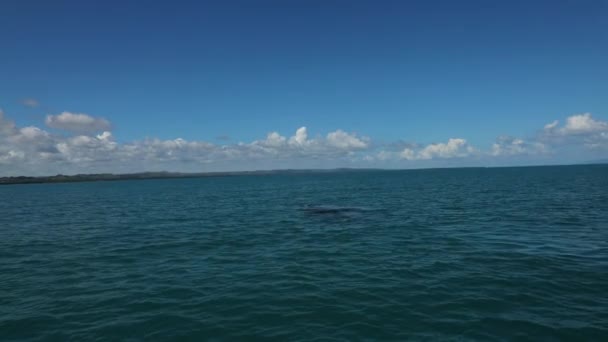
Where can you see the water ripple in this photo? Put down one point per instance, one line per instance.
(475, 254)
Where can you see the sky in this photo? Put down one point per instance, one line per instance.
(125, 86)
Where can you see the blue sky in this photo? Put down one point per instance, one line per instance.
(395, 74)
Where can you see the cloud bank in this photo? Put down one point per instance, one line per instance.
(90, 146)
(87, 144)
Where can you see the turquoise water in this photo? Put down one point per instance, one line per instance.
(486, 254)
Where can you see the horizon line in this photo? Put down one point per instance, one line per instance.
(177, 174)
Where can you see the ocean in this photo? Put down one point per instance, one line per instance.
(439, 254)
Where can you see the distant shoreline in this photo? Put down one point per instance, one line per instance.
(100, 177)
(104, 177)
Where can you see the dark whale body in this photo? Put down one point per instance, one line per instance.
(333, 210)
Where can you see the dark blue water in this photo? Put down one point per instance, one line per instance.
(485, 254)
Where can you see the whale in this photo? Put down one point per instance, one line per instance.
(333, 209)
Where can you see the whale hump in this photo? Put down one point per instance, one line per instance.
(333, 209)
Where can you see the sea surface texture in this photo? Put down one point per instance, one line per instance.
(445, 254)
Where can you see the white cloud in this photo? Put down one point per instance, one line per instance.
(343, 140)
(579, 129)
(19, 142)
(408, 154)
(578, 124)
(510, 146)
(337, 142)
(583, 123)
(551, 126)
(597, 141)
(90, 146)
(78, 123)
(274, 139)
(32, 133)
(300, 137)
(31, 148)
(105, 136)
(453, 148)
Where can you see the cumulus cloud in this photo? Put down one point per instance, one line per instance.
(511, 146)
(30, 148)
(274, 139)
(583, 123)
(578, 124)
(300, 137)
(343, 140)
(78, 123)
(19, 145)
(335, 143)
(578, 129)
(407, 153)
(454, 148)
(87, 149)
(90, 146)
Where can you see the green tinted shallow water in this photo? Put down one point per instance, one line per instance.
(513, 253)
